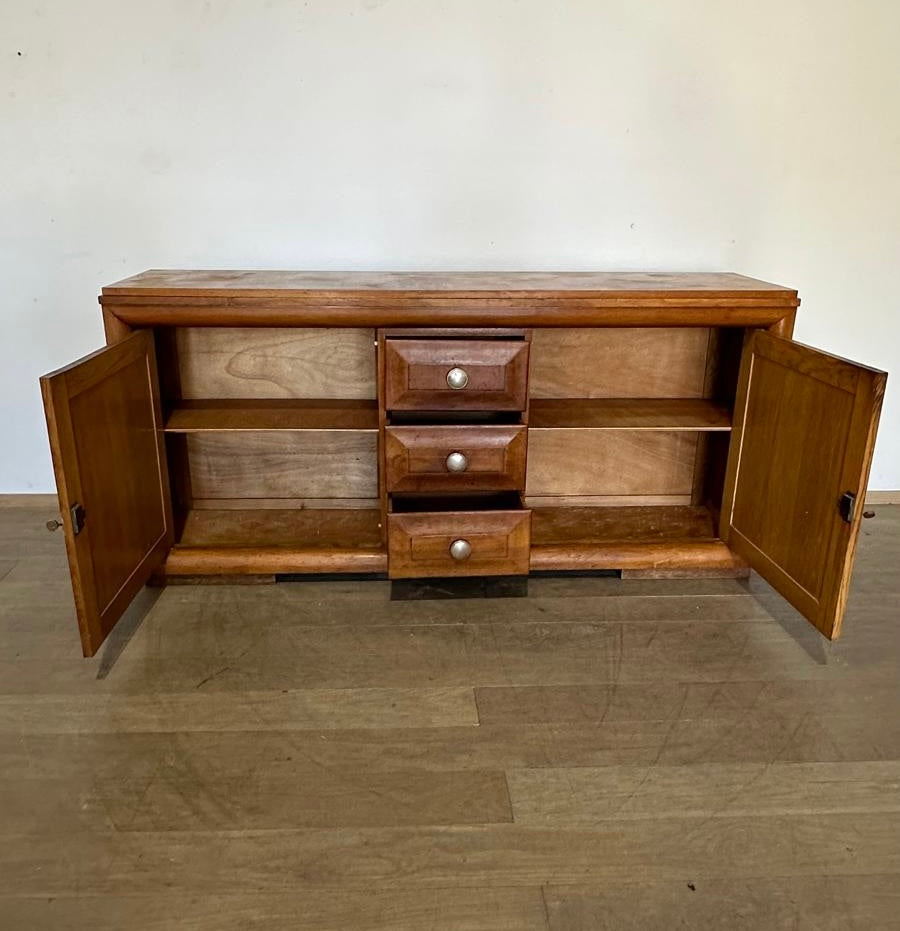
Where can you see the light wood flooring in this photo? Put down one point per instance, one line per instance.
(604, 754)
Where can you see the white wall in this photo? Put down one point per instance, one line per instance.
(650, 134)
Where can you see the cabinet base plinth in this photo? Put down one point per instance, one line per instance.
(271, 561)
(671, 556)
(738, 572)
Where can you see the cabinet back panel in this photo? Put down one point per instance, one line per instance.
(305, 464)
(631, 362)
(613, 463)
(249, 362)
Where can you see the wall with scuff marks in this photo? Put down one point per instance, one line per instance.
(412, 134)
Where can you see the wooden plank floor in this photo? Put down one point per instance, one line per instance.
(604, 754)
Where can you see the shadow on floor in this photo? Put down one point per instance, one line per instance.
(120, 636)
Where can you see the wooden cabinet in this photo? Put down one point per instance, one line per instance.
(291, 423)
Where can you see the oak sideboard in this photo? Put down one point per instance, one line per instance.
(406, 425)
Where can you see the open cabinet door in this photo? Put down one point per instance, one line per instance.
(106, 437)
(801, 447)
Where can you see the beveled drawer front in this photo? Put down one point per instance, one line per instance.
(451, 543)
(456, 374)
(455, 458)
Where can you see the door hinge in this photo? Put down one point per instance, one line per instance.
(847, 506)
(77, 514)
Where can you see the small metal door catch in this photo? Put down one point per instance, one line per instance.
(847, 506)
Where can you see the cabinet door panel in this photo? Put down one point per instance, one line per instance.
(105, 427)
(804, 431)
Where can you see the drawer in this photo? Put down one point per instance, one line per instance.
(456, 374)
(458, 543)
(455, 458)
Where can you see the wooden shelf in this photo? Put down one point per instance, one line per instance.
(687, 414)
(320, 540)
(628, 538)
(277, 414)
(326, 414)
(307, 528)
(265, 542)
(577, 525)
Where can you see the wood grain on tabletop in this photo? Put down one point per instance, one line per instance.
(261, 280)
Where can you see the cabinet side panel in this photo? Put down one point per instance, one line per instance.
(248, 362)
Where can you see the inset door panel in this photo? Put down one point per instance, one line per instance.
(455, 458)
(804, 431)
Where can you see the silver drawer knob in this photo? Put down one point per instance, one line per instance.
(457, 378)
(457, 462)
(460, 549)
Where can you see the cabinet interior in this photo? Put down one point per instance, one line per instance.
(272, 435)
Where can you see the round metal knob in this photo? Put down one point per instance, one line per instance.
(54, 524)
(457, 378)
(460, 549)
(457, 462)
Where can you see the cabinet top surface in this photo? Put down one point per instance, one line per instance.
(266, 284)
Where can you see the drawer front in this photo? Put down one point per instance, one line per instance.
(458, 543)
(457, 458)
(456, 374)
